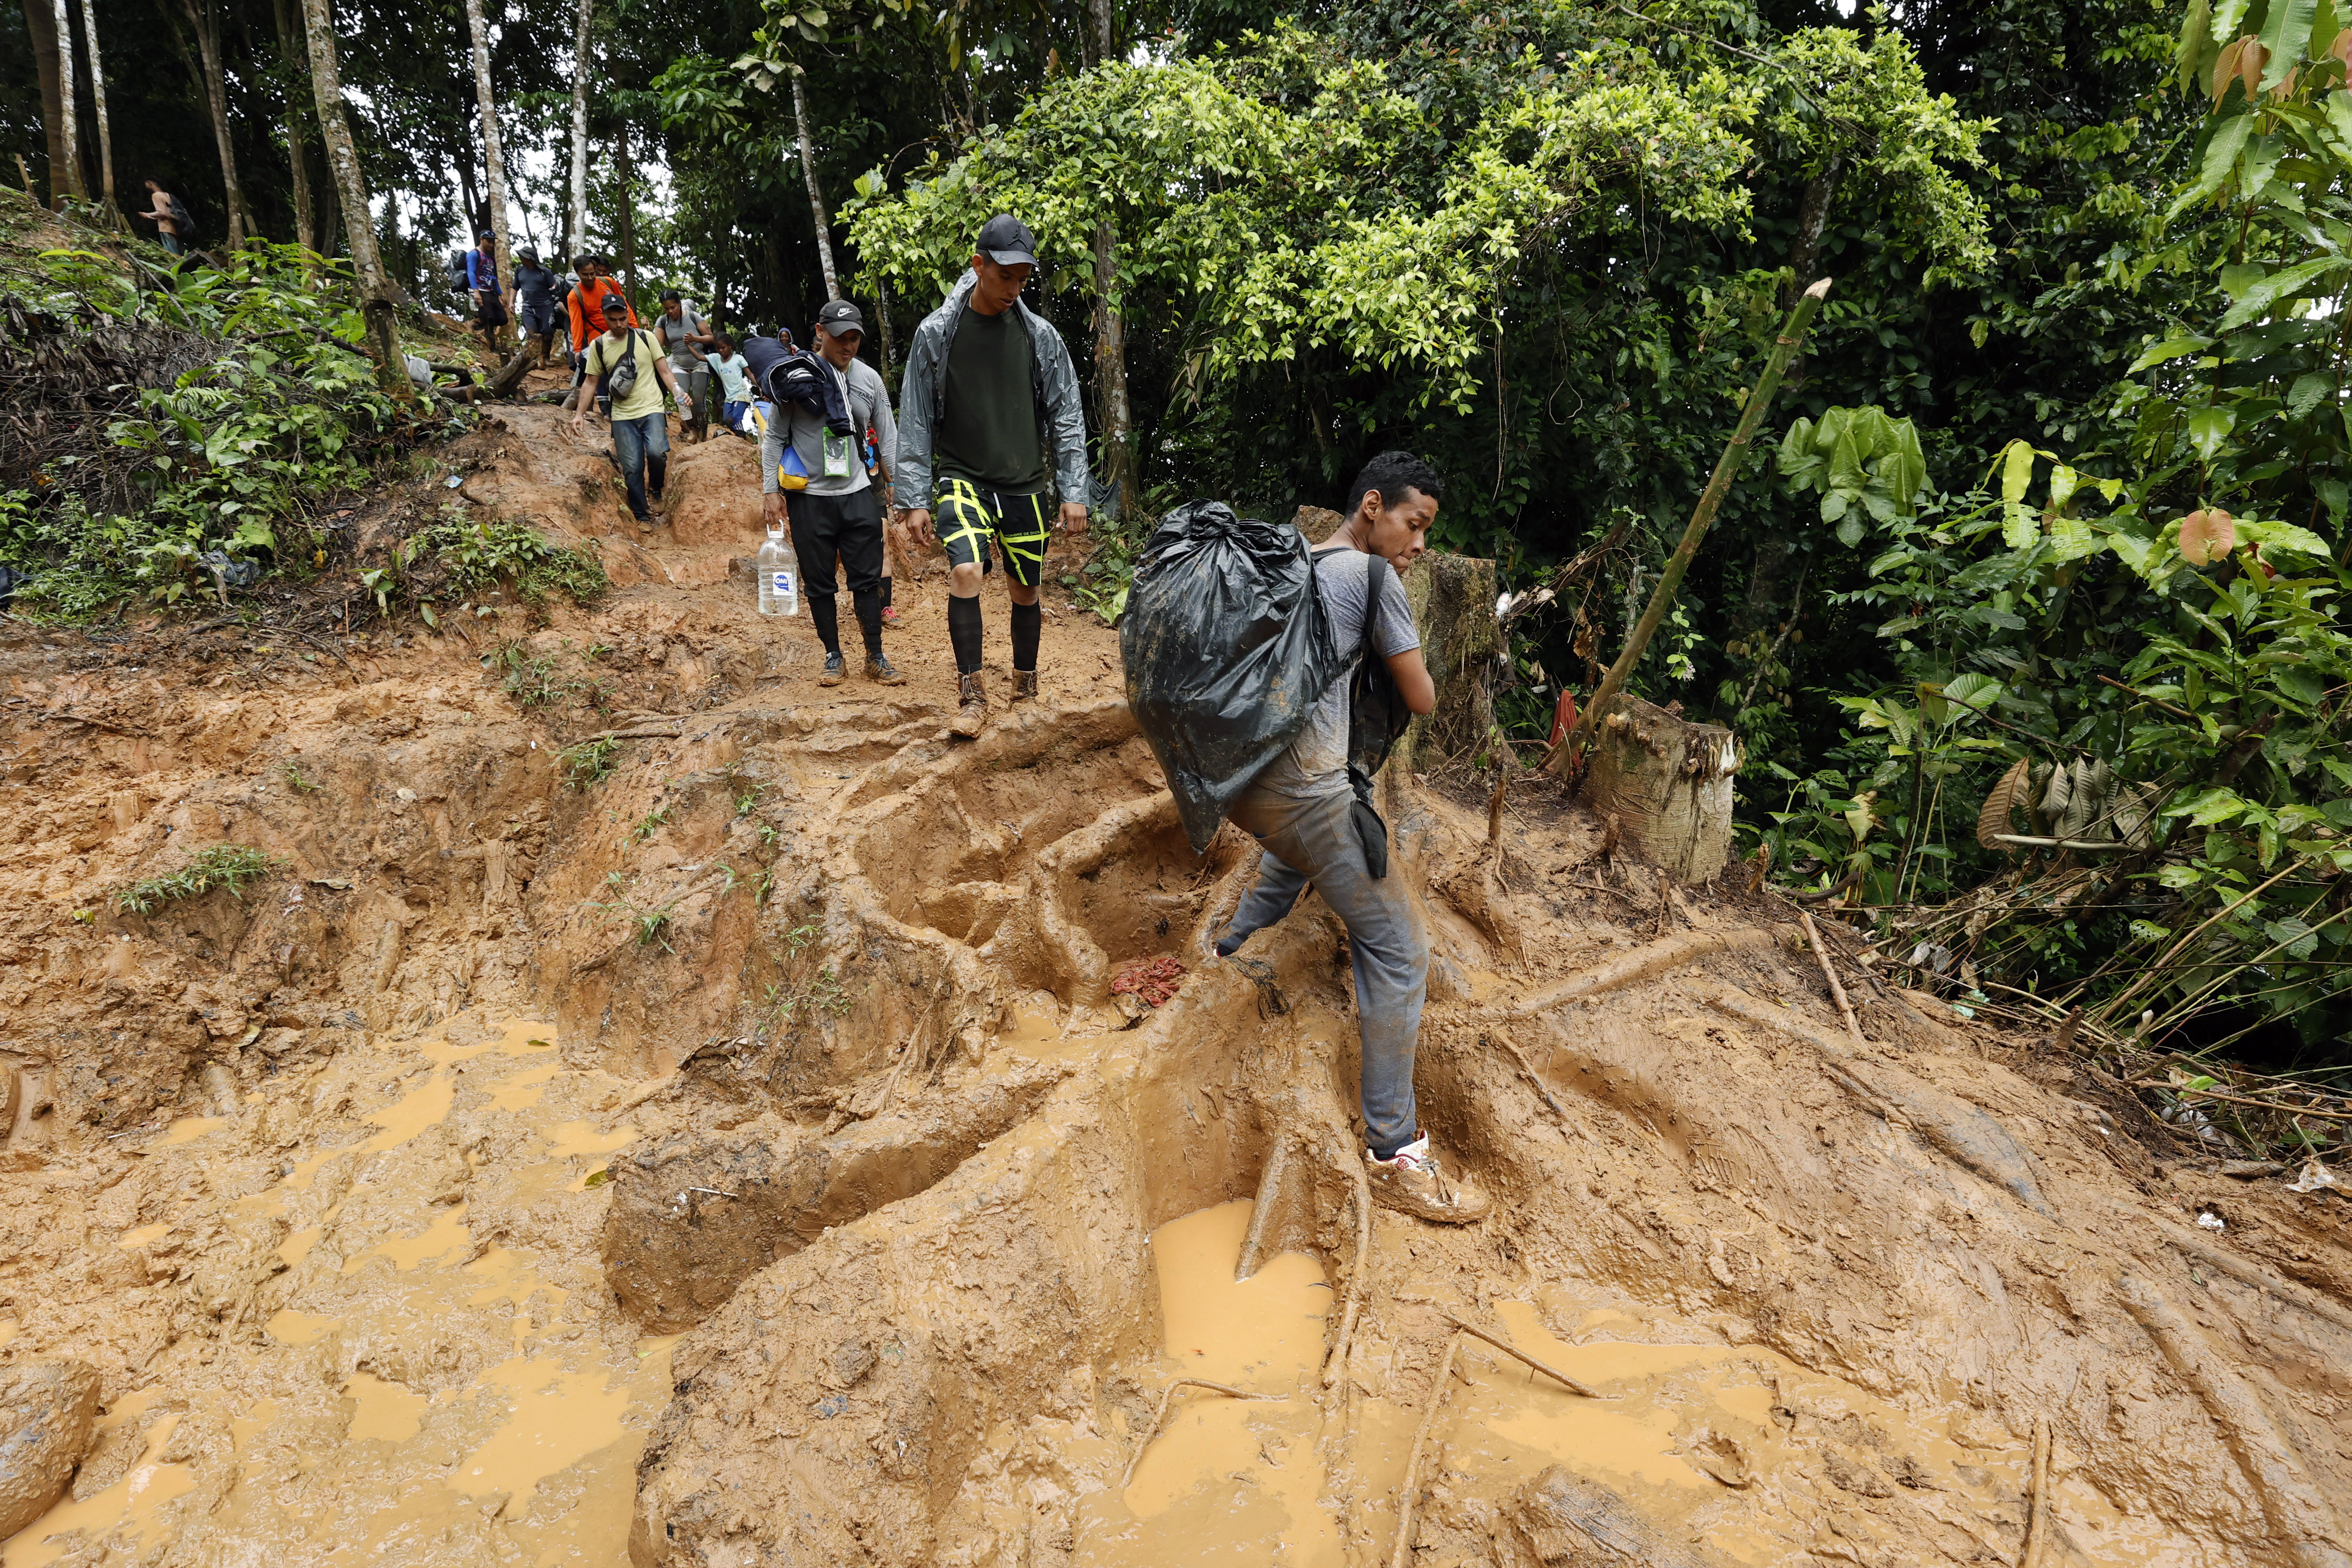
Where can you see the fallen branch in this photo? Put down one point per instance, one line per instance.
(2241, 1100)
(1527, 1071)
(1334, 1368)
(1837, 990)
(1161, 1414)
(1409, 1494)
(2037, 1501)
(1513, 1350)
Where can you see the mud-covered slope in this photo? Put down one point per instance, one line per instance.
(791, 1024)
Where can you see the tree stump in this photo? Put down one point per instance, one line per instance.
(1668, 784)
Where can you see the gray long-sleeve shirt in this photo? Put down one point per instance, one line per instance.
(869, 405)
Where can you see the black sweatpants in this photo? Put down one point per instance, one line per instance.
(841, 533)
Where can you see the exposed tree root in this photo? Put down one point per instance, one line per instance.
(1160, 1415)
(1513, 1352)
(1949, 1123)
(1644, 963)
(2299, 1514)
(1409, 1495)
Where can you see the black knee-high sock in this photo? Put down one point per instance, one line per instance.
(824, 615)
(885, 593)
(868, 605)
(963, 632)
(1026, 619)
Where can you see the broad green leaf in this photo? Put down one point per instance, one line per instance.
(2195, 51)
(1981, 691)
(2062, 483)
(1850, 533)
(2171, 349)
(2292, 937)
(2309, 388)
(2292, 283)
(2207, 428)
(2016, 471)
(2286, 536)
(2220, 157)
(2286, 34)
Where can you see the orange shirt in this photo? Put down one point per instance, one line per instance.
(586, 305)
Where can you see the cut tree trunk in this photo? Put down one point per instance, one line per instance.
(1453, 599)
(70, 117)
(205, 22)
(493, 161)
(1668, 781)
(817, 197)
(376, 295)
(576, 230)
(41, 25)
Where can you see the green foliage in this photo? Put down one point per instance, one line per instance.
(224, 866)
(588, 763)
(650, 824)
(1856, 458)
(481, 553)
(274, 411)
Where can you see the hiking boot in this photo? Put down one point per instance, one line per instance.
(890, 617)
(832, 674)
(882, 672)
(1024, 686)
(972, 706)
(1411, 1183)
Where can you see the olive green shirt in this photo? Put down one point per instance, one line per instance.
(988, 432)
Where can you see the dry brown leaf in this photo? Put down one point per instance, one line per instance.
(2004, 798)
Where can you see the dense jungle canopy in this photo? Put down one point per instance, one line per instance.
(2029, 626)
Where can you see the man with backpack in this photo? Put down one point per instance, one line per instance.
(534, 289)
(627, 365)
(990, 410)
(836, 511)
(1303, 807)
(686, 335)
(482, 281)
(585, 306)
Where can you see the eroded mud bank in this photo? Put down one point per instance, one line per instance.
(847, 1216)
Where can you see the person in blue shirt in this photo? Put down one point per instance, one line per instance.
(482, 282)
(534, 289)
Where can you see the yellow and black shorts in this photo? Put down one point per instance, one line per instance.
(965, 515)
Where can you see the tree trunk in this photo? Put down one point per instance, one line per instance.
(215, 86)
(1110, 329)
(817, 197)
(493, 161)
(577, 231)
(41, 23)
(1805, 254)
(375, 289)
(105, 127)
(306, 231)
(70, 117)
(628, 214)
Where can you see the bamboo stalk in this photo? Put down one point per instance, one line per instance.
(1513, 1352)
(1402, 1549)
(1837, 992)
(1718, 484)
(1161, 1414)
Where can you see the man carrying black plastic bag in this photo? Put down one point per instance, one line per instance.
(1302, 805)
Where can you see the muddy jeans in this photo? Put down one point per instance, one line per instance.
(642, 445)
(1314, 842)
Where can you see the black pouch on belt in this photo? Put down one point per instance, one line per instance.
(1376, 717)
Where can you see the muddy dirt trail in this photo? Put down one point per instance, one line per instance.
(738, 1139)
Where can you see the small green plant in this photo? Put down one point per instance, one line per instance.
(297, 782)
(496, 553)
(747, 796)
(769, 833)
(650, 824)
(222, 866)
(589, 763)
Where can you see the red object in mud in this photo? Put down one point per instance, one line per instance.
(1563, 715)
(1153, 979)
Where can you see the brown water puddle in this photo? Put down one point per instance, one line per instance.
(429, 1389)
(1729, 1447)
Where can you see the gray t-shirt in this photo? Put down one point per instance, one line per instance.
(1314, 765)
(869, 405)
(683, 356)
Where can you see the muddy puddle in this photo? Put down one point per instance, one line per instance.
(1721, 1448)
(428, 1371)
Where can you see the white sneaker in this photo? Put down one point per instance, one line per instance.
(1411, 1183)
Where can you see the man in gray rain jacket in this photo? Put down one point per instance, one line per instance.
(989, 413)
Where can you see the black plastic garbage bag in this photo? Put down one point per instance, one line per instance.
(1227, 647)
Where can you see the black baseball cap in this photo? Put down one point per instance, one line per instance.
(614, 305)
(841, 318)
(1006, 240)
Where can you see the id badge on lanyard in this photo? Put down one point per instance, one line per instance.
(837, 456)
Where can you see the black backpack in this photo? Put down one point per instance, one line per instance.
(455, 268)
(1376, 716)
